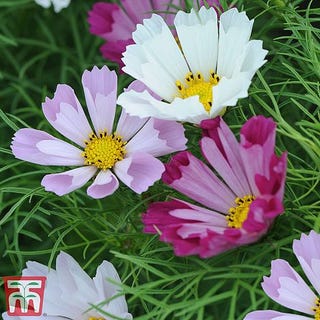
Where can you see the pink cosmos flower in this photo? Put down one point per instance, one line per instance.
(286, 287)
(239, 207)
(116, 23)
(71, 294)
(126, 153)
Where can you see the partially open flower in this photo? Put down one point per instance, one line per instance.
(127, 152)
(207, 68)
(286, 286)
(239, 202)
(71, 294)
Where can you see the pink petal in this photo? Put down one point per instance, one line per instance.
(158, 138)
(100, 88)
(128, 125)
(139, 171)
(68, 181)
(39, 147)
(223, 154)
(104, 184)
(287, 288)
(66, 115)
(307, 251)
(193, 178)
(273, 315)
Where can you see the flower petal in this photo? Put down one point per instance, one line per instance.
(193, 178)
(158, 138)
(155, 53)
(287, 288)
(234, 33)
(39, 147)
(139, 171)
(273, 315)
(307, 251)
(66, 115)
(100, 89)
(143, 104)
(198, 36)
(104, 184)
(68, 181)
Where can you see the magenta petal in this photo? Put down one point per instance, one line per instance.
(112, 50)
(100, 88)
(272, 183)
(39, 147)
(139, 171)
(100, 18)
(68, 181)
(66, 115)
(287, 288)
(104, 184)
(258, 130)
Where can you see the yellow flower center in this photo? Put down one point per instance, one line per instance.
(103, 150)
(195, 85)
(316, 309)
(238, 215)
(94, 318)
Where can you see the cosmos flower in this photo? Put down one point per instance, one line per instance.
(58, 5)
(115, 23)
(286, 286)
(206, 69)
(71, 294)
(126, 153)
(239, 202)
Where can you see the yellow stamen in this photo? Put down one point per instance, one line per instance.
(103, 150)
(316, 309)
(195, 84)
(94, 318)
(238, 215)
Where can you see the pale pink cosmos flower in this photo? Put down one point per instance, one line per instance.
(240, 201)
(71, 294)
(106, 151)
(286, 286)
(115, 23)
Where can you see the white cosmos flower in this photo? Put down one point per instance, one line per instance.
(58, 5)
(206, 68)
(70, 294)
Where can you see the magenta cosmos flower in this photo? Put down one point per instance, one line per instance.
(239, 207)
(71, 294)
(116, 23)
(286, 287)
(127, 153)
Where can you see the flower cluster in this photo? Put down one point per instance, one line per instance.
(187, 67)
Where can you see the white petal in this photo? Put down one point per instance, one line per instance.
(228, 91)
(198, 36)
(142, 104)
(160, 55)
(234, 33)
